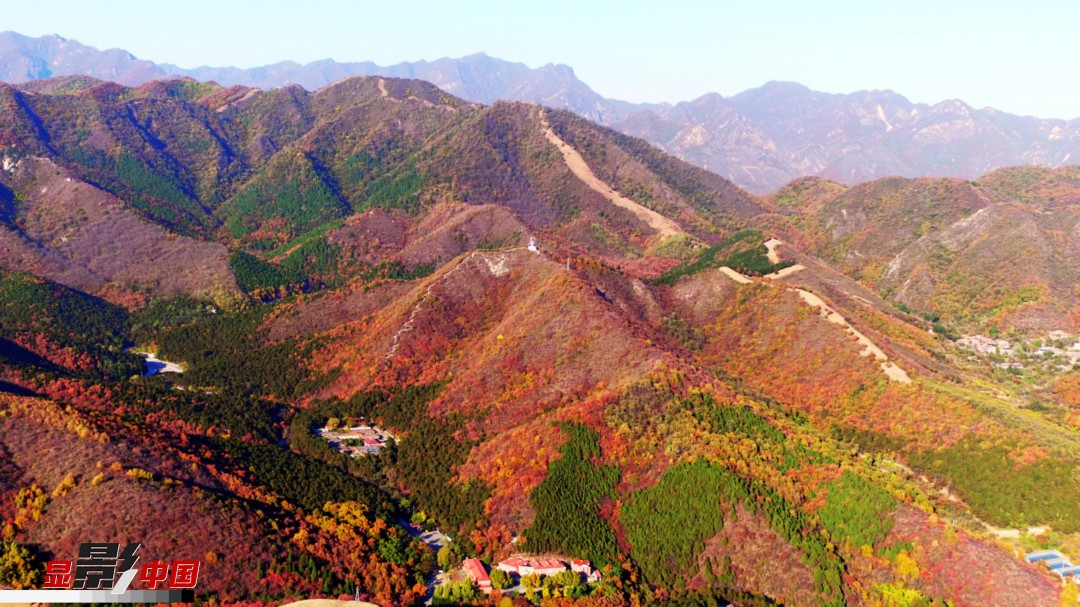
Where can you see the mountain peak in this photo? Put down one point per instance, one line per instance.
(760, 138)
(776, 89)
(784, 86)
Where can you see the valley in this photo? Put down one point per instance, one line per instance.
(564, 342)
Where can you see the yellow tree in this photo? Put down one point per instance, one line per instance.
(18, 567)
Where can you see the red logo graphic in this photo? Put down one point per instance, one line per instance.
(101, 564)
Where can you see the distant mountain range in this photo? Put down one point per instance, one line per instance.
(478, 77)
(760, 139)
(764, 137)
(692, 395)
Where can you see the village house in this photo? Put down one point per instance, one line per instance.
(547, 567)
(581, 566)
(985, 345)
(476, 572)
(544, 567)
(511, 565)
(550, 567)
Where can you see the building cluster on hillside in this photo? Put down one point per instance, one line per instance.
(1066, 357)
(356, 441)
(520, 566)
(985, 345)
(544, 567)
(1056, 562)
(1073, 353)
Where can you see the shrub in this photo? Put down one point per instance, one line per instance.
(456, 593)
(500, 579)
(19, 568)
(140, 474)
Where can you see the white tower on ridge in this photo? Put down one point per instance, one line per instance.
(532, 245)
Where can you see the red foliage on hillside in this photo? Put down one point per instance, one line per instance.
(955, 566)
(751, 551)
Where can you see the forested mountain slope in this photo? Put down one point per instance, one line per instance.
(760, 138)
(995, 253)
(581, 345)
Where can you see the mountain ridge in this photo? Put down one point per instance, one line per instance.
(760, 138)
(476, 77)
(564, 326)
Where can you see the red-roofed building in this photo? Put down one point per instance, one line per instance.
(544, 567)
(372, 442)
(581, 566)
(548, 566)
(476, 572)
(512, 565)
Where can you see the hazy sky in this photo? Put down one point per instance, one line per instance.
(1016, 58)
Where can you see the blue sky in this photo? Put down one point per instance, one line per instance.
(1014, 59)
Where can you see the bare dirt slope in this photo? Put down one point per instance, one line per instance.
(664, 226)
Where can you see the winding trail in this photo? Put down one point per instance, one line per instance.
(949, 495)
(577, 165)
(774, 257)
(889, 368)
(788, 271)
(770, 245)
(735, 275)
(435, 540)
